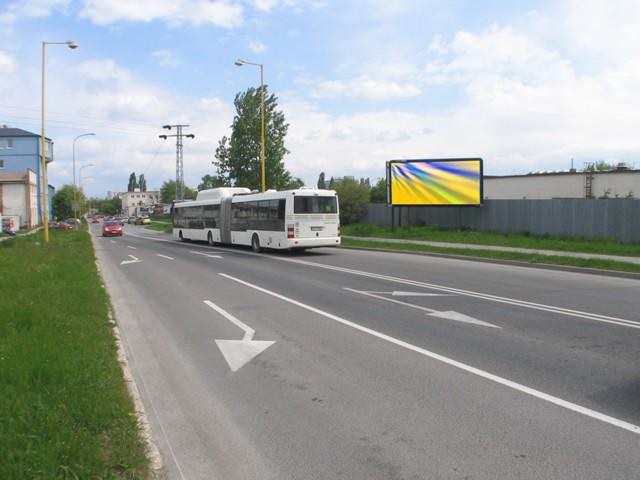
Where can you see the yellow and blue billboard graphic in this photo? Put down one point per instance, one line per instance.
(435, 182)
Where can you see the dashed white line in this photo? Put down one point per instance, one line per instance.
(132, 248)
(454, 363)
(164, 256)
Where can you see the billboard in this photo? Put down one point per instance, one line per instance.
(453, 181)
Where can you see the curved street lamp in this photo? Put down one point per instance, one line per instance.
(238, 63)
(45, 186)
(75, 186)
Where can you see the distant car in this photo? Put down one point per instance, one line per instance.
(131, 220)
(62, 225)
(143, 221)
(112, 228)
(95, 220)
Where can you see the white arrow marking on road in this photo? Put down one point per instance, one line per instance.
(205, 254)
(164, 256)
(135, 260)
(237, 353)
(449, 314)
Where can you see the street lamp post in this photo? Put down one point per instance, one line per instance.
(239, 62)
(75, 186)
(45, 186)
(80, 177)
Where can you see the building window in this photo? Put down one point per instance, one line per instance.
(1, 163)
(6, 143)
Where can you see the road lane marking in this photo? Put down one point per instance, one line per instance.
(449, 315)
(469, 293)
(205, 254)
(112, 241)
(238, 353)
(132, 248)
(127, 262)
(164, 256)
(454, 363)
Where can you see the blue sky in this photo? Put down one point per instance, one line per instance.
(525, 85)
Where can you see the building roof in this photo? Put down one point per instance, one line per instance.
(562, 172)
(17, 132)
(10, 177)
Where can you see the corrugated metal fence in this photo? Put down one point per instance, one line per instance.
(612, 218)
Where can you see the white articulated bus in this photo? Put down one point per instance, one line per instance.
(291, 219)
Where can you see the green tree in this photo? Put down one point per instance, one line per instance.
(321, 182)
(332, 184)
(238, 156)
(353, 197)
(132, 182)
(142, 183)
(62, 201)
(294, 183)
(211, 181)
(378, 193)
(168, 192)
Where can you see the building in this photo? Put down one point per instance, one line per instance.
(19, 153)
(621, 182)
(134, 202)
(19, 199)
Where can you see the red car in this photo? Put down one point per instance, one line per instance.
(111, 228)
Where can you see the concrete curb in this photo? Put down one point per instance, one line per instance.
(152, 451)
(547, 266)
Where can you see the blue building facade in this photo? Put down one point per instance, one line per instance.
(19, 151)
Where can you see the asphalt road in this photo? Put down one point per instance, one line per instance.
(383, 366)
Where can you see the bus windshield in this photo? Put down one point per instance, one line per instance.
(315, 204)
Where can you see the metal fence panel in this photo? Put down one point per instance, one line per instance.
(611, 218)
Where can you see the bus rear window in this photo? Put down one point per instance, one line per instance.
(315, 205)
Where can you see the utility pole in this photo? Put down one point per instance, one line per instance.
(179, 164)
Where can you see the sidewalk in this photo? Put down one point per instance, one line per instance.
(555, 253)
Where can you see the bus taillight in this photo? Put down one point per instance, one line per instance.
(290, 230)
(338, 229)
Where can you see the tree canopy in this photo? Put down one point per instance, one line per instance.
(211, 181)
(238, 156)
(62, 201)
(378, 193)
(353, 196)
(168, 192)
(142, 183)
(132, 182)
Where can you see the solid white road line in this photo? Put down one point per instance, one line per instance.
(132, 248)
(205, 254)
(164, 256)
(449, 315)
(484, 296)
(454, 363)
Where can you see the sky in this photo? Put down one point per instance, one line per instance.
(525, 85)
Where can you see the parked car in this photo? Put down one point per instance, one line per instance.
(95, 220)
(112, 228)
(143, 221)
(132, 220)
(61, 225)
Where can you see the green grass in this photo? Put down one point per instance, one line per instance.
(160, 226)
(523, 257)
(545, 242)
(64, 408)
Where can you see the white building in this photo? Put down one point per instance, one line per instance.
(19, 199)
(132, 202)
(618, 183)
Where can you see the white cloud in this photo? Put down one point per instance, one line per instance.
(264, 5)
(166, 58)
(7, 63)
(364, 88)
(257, 47)
(32, 8)
(221, 13)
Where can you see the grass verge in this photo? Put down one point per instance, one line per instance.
(544, 242)
(160, 226)
(64, 411)
(523, 257)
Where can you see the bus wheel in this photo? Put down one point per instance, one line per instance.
(210, 239)
(255, 243)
